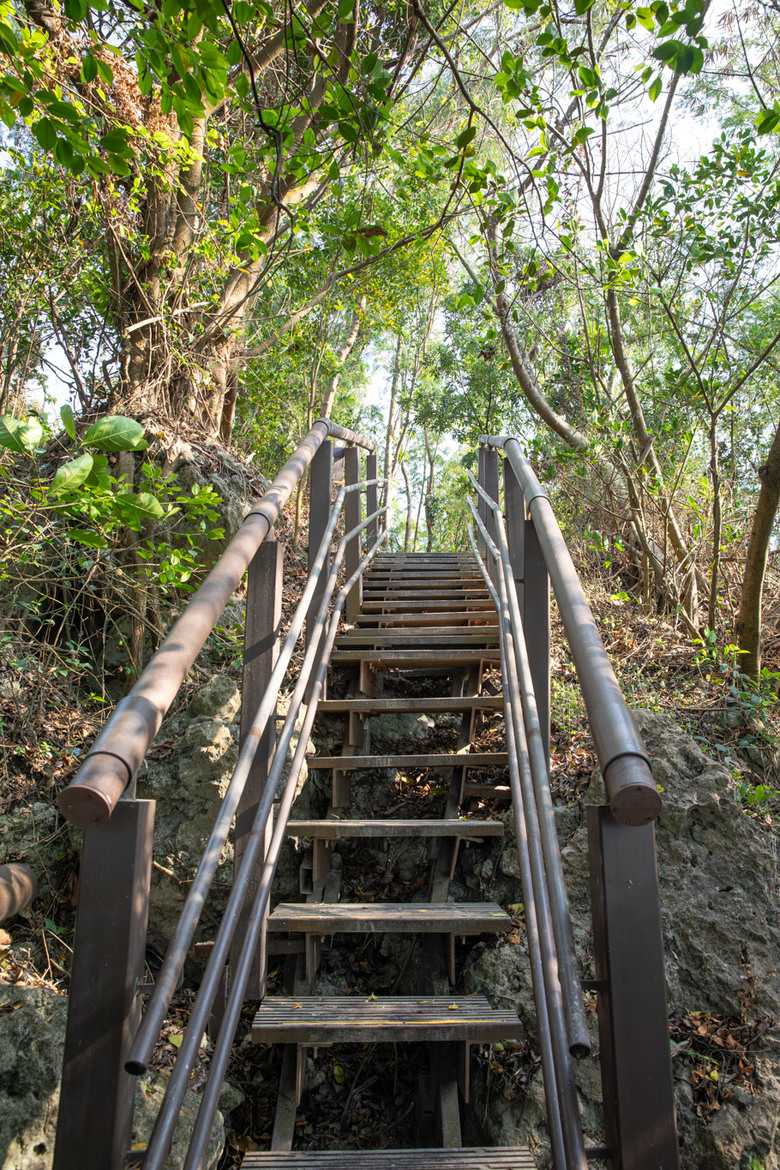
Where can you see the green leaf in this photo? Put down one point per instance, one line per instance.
(84, 536)
(68, 421)
(72, 475)
(338, 1074)
(655, 89)
(9, 433)
(45, 133)
(582, 6)
(99, 476)
(89, 68)
(346, 11)
(667, 50)
(21, 435)
(142, 502)
(348, 132)
(116, 433)
(767, 120)
(465, 137)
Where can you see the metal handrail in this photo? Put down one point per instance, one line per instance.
(173, 963)
(546, 965)
(633, 795)
(162, 1135)
(577, 1027)
(118, 752)
(221, 1055)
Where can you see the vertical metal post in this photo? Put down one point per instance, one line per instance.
(514, 516)
(320, 492)
(95, 1118)
(635, 1061)
(263, 614)
(536, 621)
(372, 498)
(490, 484)
(353, 514)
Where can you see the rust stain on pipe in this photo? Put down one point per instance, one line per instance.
(18, 887)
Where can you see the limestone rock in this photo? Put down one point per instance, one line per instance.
(32, 1037)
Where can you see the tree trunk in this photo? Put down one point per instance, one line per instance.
(749, 616)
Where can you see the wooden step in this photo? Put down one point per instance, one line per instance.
(477, 1158)
(407, 706)
(437, 636)
(467, 619)
(430, 760)
(455, 593)
(458, 918)
(411, 658)
(429, 605)
(423, 580)
(355, 1019)
(338, 830)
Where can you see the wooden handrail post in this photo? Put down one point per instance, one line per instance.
(263, 615)
(636, 1067)
(353, 514)
(94, 1124)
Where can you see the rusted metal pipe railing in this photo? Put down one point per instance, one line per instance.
(633, 796)
(119, 750)
(18, 888)
(162, 1135)
(223, 1046)
(173, 963)
(577, 1027)
(558, 1071)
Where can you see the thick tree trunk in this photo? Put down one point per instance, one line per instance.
(749, 616)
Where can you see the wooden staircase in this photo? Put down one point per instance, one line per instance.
(423, 617)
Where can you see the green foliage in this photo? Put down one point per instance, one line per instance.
(82, 552)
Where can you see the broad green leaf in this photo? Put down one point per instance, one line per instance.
(68, 421)
(667, 50)
(29, 433)
(346, 11)
(99, 476)
(9, 433)
(655, 89)
(45, 133)
(72, 474)
(767, 121)
(144, 503)
(89, 68)
(84, 536)
(466, 136)
(338, 1074)
(116, 433)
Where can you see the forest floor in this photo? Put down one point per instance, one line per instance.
(49, 714)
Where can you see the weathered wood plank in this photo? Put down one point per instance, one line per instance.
(390, 917)
(353, 1019)
(336, 830)
(406, 706)
(437, 760)
(498, 1158)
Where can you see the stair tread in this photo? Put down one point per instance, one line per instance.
(476, 619)
(430, 760)
(348, 1019)
(433, 636)
(476, 1158)
(407, 706)
(389, 917)
(371, 605)
(395, 828)
(440, 658)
